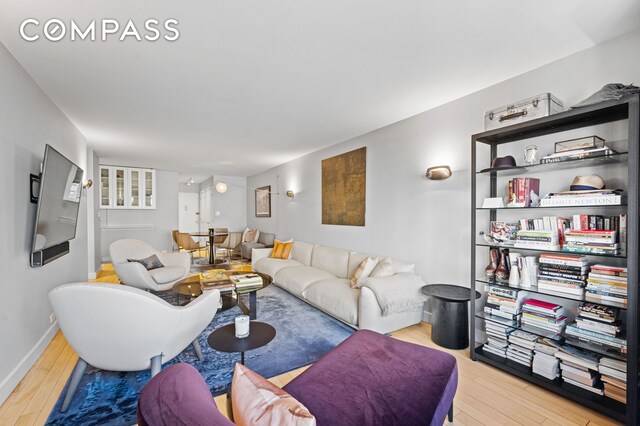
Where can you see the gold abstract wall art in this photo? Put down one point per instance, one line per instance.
(344, 179)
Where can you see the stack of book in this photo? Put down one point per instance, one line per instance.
(519, 191)
(562, 273)
(598, 197)
(521, 346)
(591, 242)
(614, 376)
(497, 338)
(504, 303)
(607, 284)
(538, 239)
(603, 335)
(247, 281)
(547, 223)
(543, 315)
(580, 368)
(215, 280)
(545, 362)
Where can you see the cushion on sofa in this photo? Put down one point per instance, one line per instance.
(257, 401)
(332, 260)
(281, 249)
(335, 297)
(167, 274)
(297, 278)
(363, 271)
(372, 379)
(355, 259)
(302, 252)
(384, 268)
(271, 266)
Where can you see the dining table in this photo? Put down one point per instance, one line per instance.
(212, 246)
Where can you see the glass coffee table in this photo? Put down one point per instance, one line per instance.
(190, 289)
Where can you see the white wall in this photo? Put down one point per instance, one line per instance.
(151, 225)
(28, 121)
(230, 208)
(408, 216)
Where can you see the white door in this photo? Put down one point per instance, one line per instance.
(188, 215)
(206, 210)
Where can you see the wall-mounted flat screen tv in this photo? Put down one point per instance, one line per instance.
(58, 206)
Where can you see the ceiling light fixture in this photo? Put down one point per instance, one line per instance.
(190, 181)
(439, 172)
(221, 187)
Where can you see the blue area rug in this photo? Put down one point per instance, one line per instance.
(303, 335)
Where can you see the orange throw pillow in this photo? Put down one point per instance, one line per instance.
(281, 250)
(258, 402)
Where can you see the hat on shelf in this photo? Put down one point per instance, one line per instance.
(507, 161)
(587, 183)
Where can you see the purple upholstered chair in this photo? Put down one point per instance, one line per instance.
(178, 396)
(372, 379)
(369, 379)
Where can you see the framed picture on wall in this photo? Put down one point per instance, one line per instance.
(263, 201)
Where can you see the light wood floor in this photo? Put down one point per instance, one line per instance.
(485, 396)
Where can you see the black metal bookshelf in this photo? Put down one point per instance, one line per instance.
(600, 114)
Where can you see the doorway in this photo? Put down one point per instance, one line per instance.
(189, 212)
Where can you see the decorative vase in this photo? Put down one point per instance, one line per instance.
(502, 273)
(514, 272)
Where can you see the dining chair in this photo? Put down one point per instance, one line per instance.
(186, 243)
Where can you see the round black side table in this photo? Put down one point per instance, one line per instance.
(224, 338)
(449, 314)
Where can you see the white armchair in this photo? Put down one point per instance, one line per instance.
(120, 328)
(176, 265)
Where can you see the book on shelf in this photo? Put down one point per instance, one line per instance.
(564, 260)
(559, 199)
(519, 191)
(609, 270)
(602, 313)
(537, 239)
(603, 286)
(613, 341)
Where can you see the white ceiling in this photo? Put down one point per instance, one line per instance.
(252, 84)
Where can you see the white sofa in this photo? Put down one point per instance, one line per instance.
(321, 275)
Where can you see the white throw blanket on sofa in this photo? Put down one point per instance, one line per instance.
(403, 296)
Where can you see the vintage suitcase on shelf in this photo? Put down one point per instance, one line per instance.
(524, 110)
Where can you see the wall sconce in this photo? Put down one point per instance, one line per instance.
(87, 184)
(439, 172)
(221, 187)
(290, 194)
(190, 182)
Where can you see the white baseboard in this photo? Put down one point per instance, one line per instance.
(94, 275)
(426, 316)
(9, 383)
